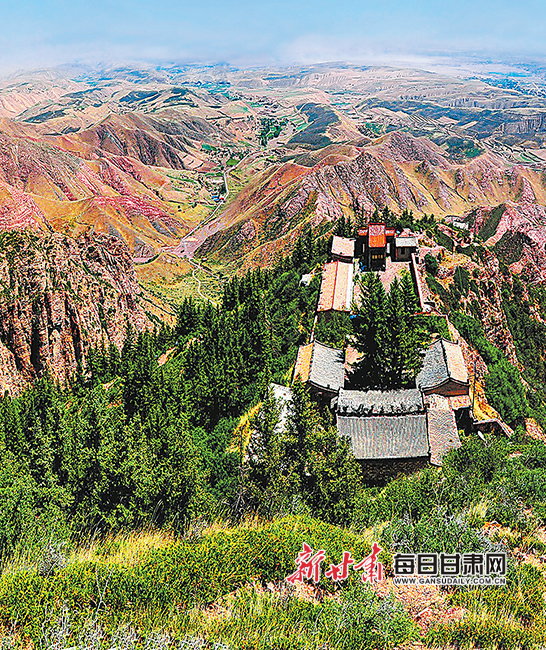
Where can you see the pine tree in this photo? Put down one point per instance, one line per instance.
(371, 333)
(398, 336)
(388, 334)
(333, 476)
(325, 472)
(265, 486)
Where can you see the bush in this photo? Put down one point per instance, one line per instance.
(358, 620)
(431, 264)
(436, 532)
(184, 574)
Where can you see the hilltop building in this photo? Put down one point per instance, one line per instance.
(389, 430)
(322, 369)
(336, 289)
(376, 241)
(444, 373)
(396, 430)
(444, 370)
(372, 245)
(343, 249)
(393, 430)
(403, 249)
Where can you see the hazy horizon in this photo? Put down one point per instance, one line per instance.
(418, 33)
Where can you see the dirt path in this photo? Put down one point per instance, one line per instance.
(209, 226)
(198, 285)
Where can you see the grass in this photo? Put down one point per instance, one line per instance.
(500, 618)
(221, 587)
(358, 619)
(146, 580)
(170, 280)
(251, 618)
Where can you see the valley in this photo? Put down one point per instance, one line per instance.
(250, 312)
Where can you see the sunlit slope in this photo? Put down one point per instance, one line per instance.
(397, 170)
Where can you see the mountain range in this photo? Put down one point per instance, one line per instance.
(194, 173)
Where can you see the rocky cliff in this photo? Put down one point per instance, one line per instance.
(58, 297)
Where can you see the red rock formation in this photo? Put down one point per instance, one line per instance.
(60, 296)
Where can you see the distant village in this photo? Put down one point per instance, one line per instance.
(390, 431)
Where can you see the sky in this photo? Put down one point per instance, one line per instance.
(38, 33)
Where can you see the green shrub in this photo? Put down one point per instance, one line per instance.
(437, 532)
(431, 264)
(499, 617)
(182, 575)
(359, 620)
(482, 631)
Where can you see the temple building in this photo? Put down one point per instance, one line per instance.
(444, 370)
(322, 369)
(376, 241)
(403, 248)
(444, 373)
(396, 430)
(372, 245)
(343, 249)
(336, 289)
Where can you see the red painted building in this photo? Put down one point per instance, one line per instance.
(372, 243)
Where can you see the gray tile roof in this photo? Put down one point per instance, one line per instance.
(380, 402)
(386, 437)
(327, 367)
(442, 433)
(407, 242)
(443, 362)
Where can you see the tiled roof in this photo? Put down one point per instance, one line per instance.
(455, 361)
(336, 290)
(442, 433)
(321, 365)
(380, 402)
(303, 362)
(327, 367)
(443, 362)
(406, 242)
(376, 235)
(386, 437)
(343, 247)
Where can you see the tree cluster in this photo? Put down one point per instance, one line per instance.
(388, 333)
(302, 462)
(143, 433)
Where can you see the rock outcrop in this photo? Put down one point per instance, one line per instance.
(58, 297)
